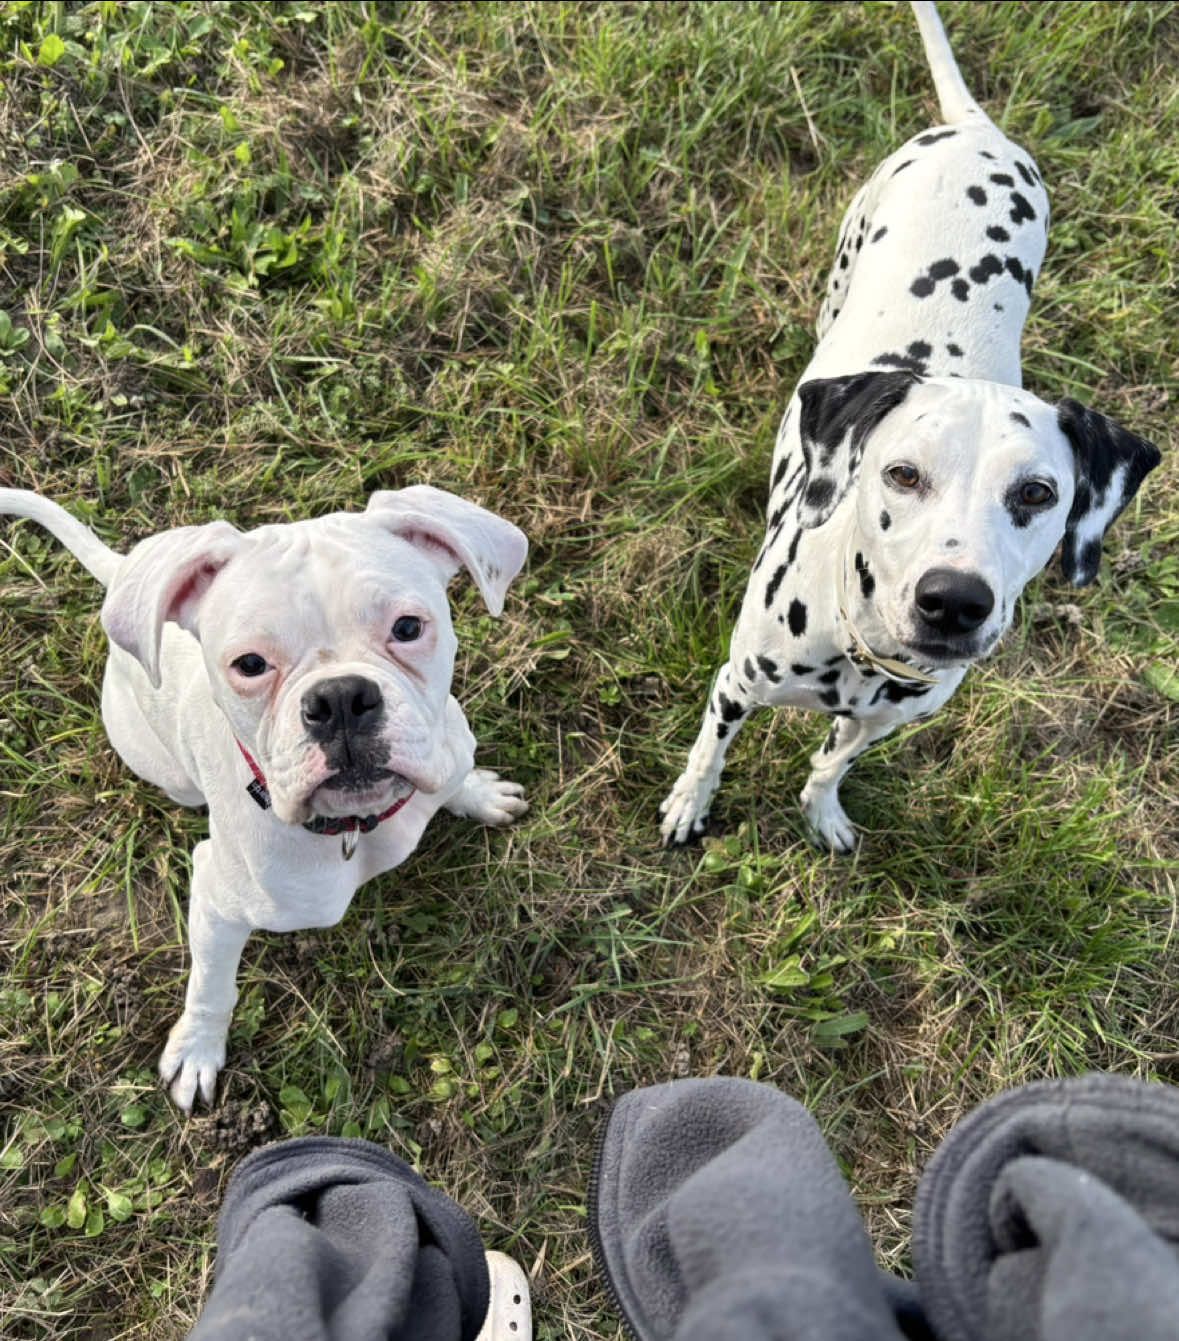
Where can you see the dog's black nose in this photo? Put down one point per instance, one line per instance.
(350, 703)
(952, 602)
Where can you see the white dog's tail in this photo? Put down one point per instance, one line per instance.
(80, 540)
(952, 93)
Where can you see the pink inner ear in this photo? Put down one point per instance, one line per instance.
(429, 540)
(192, 588)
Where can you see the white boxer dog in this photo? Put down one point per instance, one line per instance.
(296, 680)
(915, 487)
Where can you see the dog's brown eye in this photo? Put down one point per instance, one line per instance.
(904, 476)
(407, 629)
(250, 665)
(1036, 494)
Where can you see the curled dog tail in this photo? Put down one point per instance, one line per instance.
(952, 93)
(80, 540)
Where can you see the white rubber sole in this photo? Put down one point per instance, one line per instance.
(509, 1314)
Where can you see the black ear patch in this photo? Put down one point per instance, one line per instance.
(1111, 464)
(837, 416)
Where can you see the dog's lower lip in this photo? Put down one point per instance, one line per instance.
(368, 781)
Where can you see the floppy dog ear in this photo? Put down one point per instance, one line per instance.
(837, 415)
(1111, 464)
(164, 578)
(456, 534)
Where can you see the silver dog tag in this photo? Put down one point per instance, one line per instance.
(348, 840)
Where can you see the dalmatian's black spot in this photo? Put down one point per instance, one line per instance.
(985, 153)
(907, 163)
(797, 617)
(853, 702)
(1020, 209)
(779, 472)
(798, 668)
(830, 677)
(934, 135)
(977, 194)
(860, 242)
(954, 351)
(944, 269)
(843, 712)
(793, 550)
(960, 289)
(922, 286)
(835, 660)
(867, 581)
(1019, 274)
(997, 233)
(820, 490)
(897, 693)
(1025, 172)
(832, 737)
(906, 361)
(769, 669)
(774, 583)
(885, 520)
(951, 544)
(721, 730)
(998, 307)
(1020, 419)
(750, 673)
(843, 262)
(729, 711)
(879, 233)
(988, 266)
(829, 698)
(1002, 179)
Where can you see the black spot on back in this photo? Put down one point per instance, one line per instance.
(977, 194)
(1002, 179)
(988, 266)
(934, 135)
(902, 167)
(997, 233)
(796, 616)
(1020, 419)
(1025, 173)
(879, 233)
(797, 668)
(944, 268)
(1020, 209)
(954, 351)
(922, 286)
(960, 289)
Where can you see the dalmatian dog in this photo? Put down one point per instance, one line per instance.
(915, 487)
(296, 680)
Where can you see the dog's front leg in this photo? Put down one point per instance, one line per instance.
(846, 741)
(488, 798)
(195, 1050)
(685, 810)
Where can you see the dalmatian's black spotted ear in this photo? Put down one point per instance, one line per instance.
(837, 416)
(1111, 464)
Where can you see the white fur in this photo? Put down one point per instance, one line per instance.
(317, 599)
(934, 266)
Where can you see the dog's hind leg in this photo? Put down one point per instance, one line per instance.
(686, 808)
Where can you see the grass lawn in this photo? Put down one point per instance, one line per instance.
(257, 260)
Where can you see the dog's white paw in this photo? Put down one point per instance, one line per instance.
(685, 811)
(488, 798)
(830, 827)
(189, 1064)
